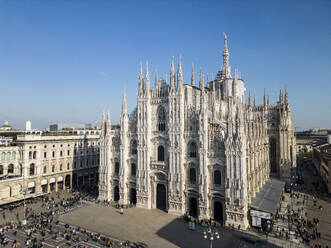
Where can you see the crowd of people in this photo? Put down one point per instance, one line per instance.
(41, 220)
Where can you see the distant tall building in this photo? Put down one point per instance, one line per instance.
(28, 126)
(6, 127)
(196, 147)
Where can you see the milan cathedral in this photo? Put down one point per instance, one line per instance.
(198, 148)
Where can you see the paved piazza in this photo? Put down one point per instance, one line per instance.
(152, 227)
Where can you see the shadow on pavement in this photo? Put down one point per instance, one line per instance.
(177, 233)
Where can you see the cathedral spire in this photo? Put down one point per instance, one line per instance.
(192, 77)
(201, 84)
(124, 102)
(179, 74)
(268, 100)
(264, 98)
(147, 80)
(254, 103)
(249, 99)
(280, 96)
(156, 78)
(103, 124)
(141, 80)
(226, 72)
(286, 95)
(108, 124)
(172, 73)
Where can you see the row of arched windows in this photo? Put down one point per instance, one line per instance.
(133, 169)
(217, 177)
(192, 152)
(8, 156)
(10, 169)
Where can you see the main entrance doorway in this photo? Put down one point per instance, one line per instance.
(193, 207)
(133, 196)
(218, 211)
(161, 197)
(116, 193)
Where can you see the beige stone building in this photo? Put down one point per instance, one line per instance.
(48, 162)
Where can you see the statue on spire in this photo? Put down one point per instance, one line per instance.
(172, 73)
(226, 70)
(192, 78)
(201, 83)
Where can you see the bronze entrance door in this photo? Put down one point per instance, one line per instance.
(133, 196)
(116, 193)
(193, 207)
(161, 197)
(218, 211)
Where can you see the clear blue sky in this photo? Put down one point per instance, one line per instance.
(65, 61)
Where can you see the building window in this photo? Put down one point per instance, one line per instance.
(45, 154)
(11, 169)
(133, 147)
(160, 153)
(53, 168)
(34, 155)
(133, 169)
(161, 119)
(117, 168)
(87, 162)
(45, 170)
(30, 155)
(1, 169)
(75, 165)
(75, 152)
(60, 167)
(3, 156)
(193, 150)
(68, 152)
(193, 176)
(217, 177)
(53, 154)
(32, 169)
(81, 164)
(61, 153)
(14, 155)
(68, 166)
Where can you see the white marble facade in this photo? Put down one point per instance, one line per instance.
(199, 147)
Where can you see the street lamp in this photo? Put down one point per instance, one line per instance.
(24, 192)
(210, 234)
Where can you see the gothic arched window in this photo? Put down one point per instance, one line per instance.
(193, 177)
(34, 155)
(161, 119)
(133, 147)
(217, 177)
(117, 168)
(193, 150)
(133, 169)
(32, 169)
(11, 169)
(160, 153)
